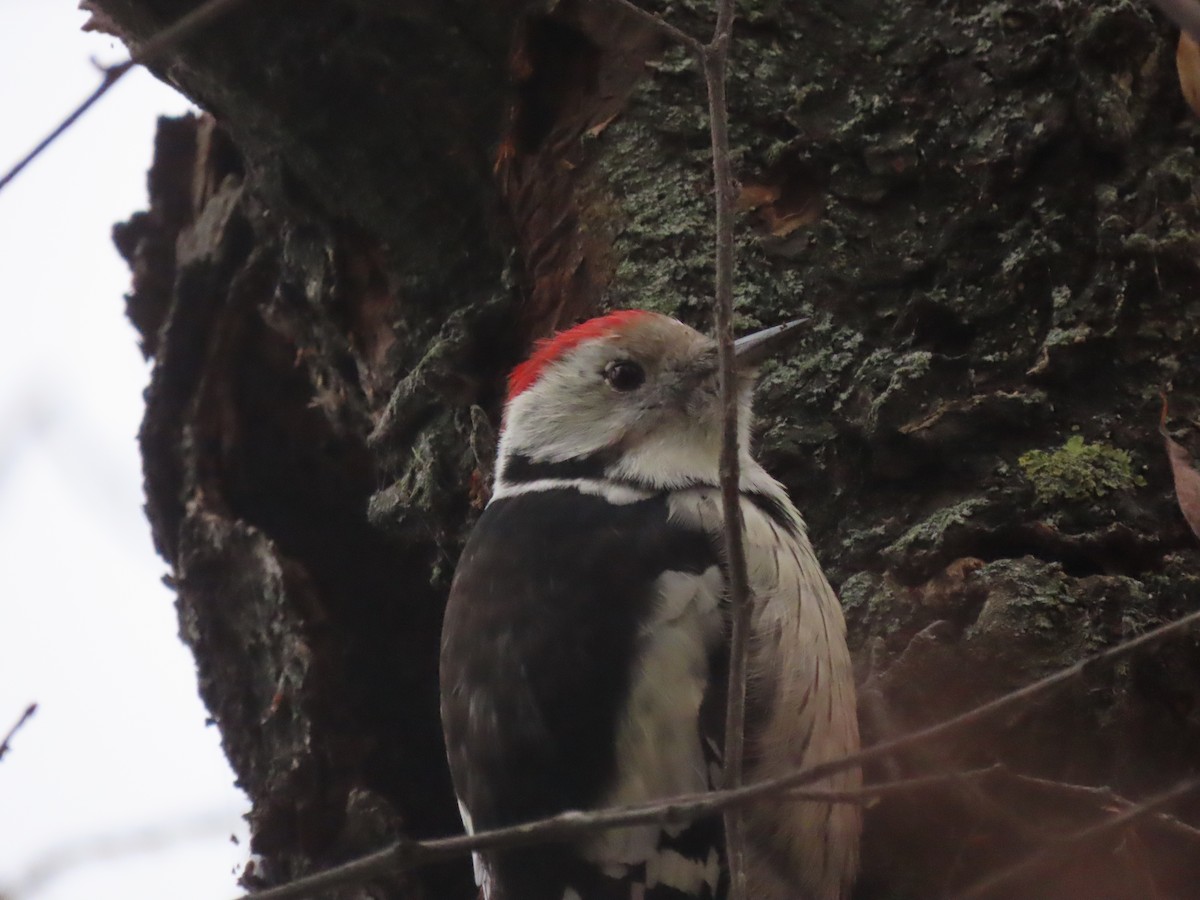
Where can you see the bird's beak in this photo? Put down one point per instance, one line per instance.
(753, 349)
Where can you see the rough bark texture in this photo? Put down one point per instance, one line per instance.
(988, 210)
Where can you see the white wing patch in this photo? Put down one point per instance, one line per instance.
(658, 740)
(689, 876)
(483, 878)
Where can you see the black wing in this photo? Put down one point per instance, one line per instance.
(537, 650)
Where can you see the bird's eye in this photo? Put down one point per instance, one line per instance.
(624, 375)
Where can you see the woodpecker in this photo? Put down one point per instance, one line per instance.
(585, 644)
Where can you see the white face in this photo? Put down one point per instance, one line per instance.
(647, 394)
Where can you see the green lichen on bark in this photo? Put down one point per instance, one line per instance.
(1079, 471)
(930, 534)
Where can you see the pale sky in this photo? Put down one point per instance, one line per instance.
(118, 753)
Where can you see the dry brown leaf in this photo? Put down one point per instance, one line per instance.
(782, 226)
(596, 130)
(1187, 479)
(946, 591)
(786, 199)
(753, 195)
(1187, 62)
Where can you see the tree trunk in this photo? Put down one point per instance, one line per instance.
(989, 214)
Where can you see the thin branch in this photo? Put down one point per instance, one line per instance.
(1031, 864)
(715, 59)
(677, 810)
(1019, 697)
(111, 76)
(185, 27)
(659, 23)
(407, 854)
(25, 717)
(1100, 796)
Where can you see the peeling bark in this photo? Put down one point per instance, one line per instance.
(988, 212)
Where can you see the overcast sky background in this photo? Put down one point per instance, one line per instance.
(118, 752)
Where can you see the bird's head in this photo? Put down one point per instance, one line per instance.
(632, 395)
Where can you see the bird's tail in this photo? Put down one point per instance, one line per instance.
(686, 865)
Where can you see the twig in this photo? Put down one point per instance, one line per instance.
(928, 758)
(1184, 13)
(715, 59)
(1029, 865)
(658, 22)
(25, 717)
(111, 76)
(408, 854)
(977, 714)
(1101, 796)
(186, 26)
(672, 810)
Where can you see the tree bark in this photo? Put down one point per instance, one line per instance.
(987, 211)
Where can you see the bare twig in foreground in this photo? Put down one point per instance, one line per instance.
(412, 854)
(1031, 864)
(25, 717)
(408, 854)
(187, 25)
(715, 62)
(1103, 797)
(659, 23)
